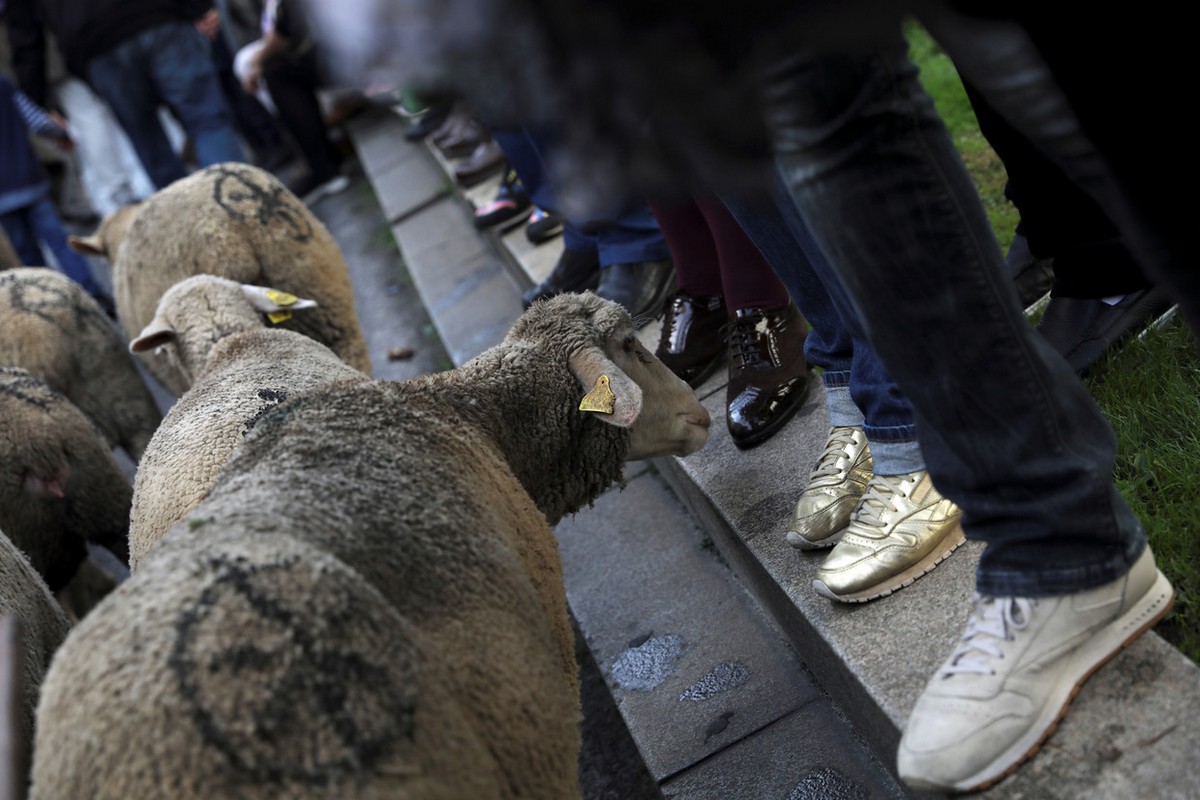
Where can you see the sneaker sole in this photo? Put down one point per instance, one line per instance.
(1104, 645)
(798, 541)
(895, 583)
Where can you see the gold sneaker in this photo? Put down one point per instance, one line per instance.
(902, 529)
(834, 489)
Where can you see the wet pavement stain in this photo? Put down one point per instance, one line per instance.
(645, 666)
(725, 676)
(827, 783)
(717, 725)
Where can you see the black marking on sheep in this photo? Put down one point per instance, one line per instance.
(38, 299)
(304, 725)
(20, 385)
(243, 199)
(273, 397)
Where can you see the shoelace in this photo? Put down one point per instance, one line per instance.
(841, 439)
(883, 492)
(992, 622)
(742, 337)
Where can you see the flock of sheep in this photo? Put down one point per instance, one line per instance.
(339, 587)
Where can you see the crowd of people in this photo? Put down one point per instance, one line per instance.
(852, 240)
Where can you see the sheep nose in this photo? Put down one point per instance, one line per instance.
(699, 416)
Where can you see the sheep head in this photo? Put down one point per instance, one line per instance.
(106, 241)
(196, 313)
(621, 382)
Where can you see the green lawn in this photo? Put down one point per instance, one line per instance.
(1149, 390)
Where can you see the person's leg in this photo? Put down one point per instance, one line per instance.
(1008, 430)
(292, 84)
(122, 79)
(181, 68)
(18, 224)
(44, 219)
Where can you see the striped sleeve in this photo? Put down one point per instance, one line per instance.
(36, 117)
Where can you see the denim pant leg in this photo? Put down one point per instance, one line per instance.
(858, 391)
(44, 218)
(122, 79)
(1008, 430)
(182, 68)
(18, 226)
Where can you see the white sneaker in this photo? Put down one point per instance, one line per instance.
(1008, 683)
(331, 186)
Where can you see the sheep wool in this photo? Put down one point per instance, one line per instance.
(239, 222)
(50, 326)
(43, 625)
(241, 370)
(60, 486)
(369, 602)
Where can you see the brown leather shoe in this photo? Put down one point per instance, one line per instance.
(692, 344)
(768, 376)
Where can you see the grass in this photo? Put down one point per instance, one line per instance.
(1149, 390)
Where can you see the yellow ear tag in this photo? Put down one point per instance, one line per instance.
(600, 398)
(281, 298)
(279, 316)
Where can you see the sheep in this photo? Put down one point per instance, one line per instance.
(41, 629)
(50, 326)
(60, 486)
(239, 222)
(369, 602)
(238, 368)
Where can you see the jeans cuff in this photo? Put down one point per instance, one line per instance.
(1052, 581)
(843, 412)
(895, 458)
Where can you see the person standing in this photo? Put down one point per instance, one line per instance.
(137, 55)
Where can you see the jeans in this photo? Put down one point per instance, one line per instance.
(167, 65)
(629, 235)
(39, 223)
(1008, 431)
(858, 390)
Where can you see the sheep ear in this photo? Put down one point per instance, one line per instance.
(88, 245)
(273, 301)
(610, 393)
(156, 334)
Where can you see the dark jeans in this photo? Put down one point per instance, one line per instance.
(858, 390)
(629, 235)
(1008, 431)
(40, 223)
(168, 65)
(293, 82)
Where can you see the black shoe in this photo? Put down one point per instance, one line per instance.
(1084, 328)
(508, 209)
(543, 226)
(640, 287)
(574, 272)
(692, 343)
(1032, 276)
(429, 122)
(768, 376)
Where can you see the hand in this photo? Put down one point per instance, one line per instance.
(210, 23)
(65, 142)
(253, 77)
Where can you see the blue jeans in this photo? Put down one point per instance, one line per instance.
(628, 235)
(858, 390)
(1008, 431)
(40, 223)
(167, 65)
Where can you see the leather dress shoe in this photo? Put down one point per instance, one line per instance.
(768, 376)
(640, 287)
(462, 139)
(485, 160)
(428, 122)
(1084, 328)
(692, 343)
(574, 272)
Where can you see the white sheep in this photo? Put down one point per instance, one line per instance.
(214, 332)
(60, 486)
(369, 603)
(42, 626)
(50, 326)
(239, 222)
